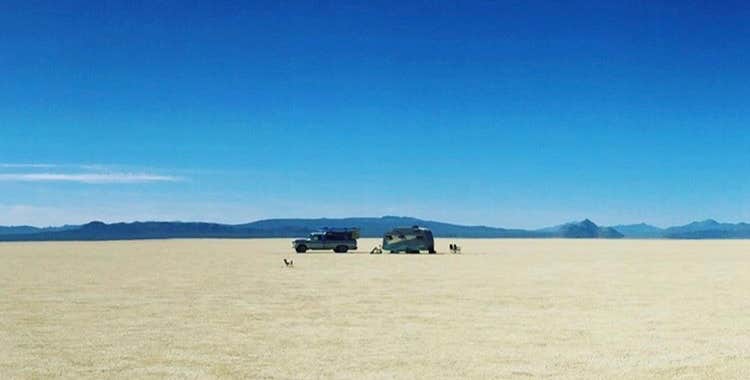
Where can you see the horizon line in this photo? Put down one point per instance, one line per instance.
(361, 217)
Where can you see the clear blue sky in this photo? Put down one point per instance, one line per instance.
(516, 114)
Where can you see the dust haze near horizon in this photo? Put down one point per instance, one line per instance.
(583, 309)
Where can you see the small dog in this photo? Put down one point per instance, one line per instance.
(289, 263)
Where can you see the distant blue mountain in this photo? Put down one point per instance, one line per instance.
(23, 230)
(18, 230)
(640, 231)
(709, 229)
(585, 229)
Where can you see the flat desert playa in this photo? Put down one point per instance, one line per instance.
(503, 309)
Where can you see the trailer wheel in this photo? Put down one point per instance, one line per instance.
(301, 248)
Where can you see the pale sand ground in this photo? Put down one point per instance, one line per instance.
(503, 309)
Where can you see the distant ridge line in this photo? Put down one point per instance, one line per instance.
(369, 227)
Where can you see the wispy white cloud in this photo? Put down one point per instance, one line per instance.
(90, 178)
(6, 165)
(79, 173)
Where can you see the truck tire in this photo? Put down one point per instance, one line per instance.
(432, 251)
(341, 249)
(301, 248)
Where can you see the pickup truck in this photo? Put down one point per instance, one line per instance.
(339, 241)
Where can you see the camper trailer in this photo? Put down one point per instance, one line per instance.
(409, 240)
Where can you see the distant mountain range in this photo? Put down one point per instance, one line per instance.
(709, 229)
(640, 231)
(706, 229)
(22, 230)
(369, 227)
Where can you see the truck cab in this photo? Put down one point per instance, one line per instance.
(338, 240)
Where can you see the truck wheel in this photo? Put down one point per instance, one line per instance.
(341, 249)
(301, 249)
(432, 250)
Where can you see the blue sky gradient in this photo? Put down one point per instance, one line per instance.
(517, 114)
